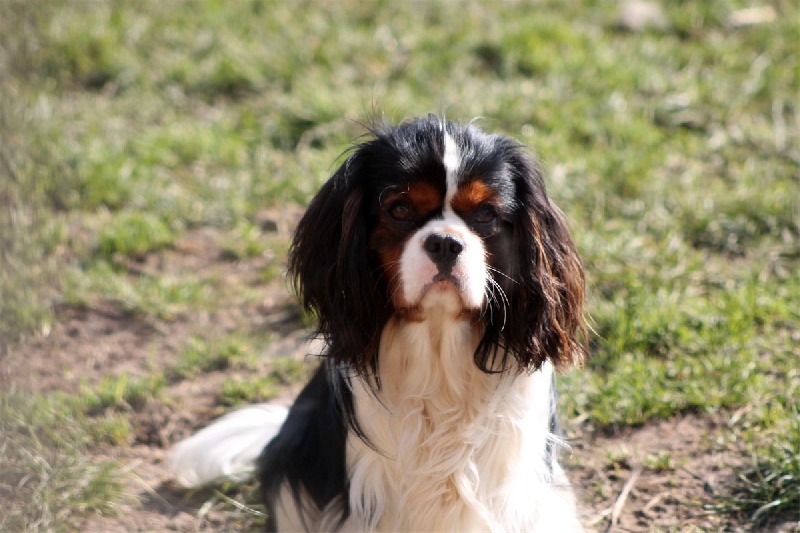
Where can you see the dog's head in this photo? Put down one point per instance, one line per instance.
(433, 217)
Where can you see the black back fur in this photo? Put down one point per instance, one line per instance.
(309, 451)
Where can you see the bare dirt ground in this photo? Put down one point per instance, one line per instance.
(614, 471)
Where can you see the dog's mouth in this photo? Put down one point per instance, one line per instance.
(445, 278)
(444, 291)
(442, 282)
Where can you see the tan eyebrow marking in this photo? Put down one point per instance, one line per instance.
(424, 196)
(471, 195)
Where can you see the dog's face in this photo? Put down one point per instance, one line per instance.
(432, 217)
(442, 241)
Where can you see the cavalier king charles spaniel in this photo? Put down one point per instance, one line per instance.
(448, 291)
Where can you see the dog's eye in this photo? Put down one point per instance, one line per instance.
(485, 214)
(400, 211)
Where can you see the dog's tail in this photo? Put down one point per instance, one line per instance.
(228, 448)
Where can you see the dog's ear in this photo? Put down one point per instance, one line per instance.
(546, 303)
(330, 265)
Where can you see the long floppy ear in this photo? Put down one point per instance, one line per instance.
(547, 303)
(330, 266)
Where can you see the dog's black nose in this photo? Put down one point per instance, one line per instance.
(443, 250)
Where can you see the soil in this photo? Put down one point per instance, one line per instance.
(99, 339)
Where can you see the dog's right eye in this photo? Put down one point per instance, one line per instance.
(486, 214)
(400, 211)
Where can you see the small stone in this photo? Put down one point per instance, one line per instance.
(752, 16)
(639, 16)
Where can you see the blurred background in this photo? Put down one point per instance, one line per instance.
(155, 156)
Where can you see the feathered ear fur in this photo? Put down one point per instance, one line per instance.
(333, 272)
(546, 303)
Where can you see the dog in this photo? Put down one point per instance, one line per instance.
(448, 292)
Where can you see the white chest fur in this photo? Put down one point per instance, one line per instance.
(454, 448)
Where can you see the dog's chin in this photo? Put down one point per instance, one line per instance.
(442, 297)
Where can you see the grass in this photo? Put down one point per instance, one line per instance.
(245, 241)
(769, 486)
(674, 152)
(121, 393)
(200, 355)
(238, 391)
(261, 388)
(134, 235)
(46, 482)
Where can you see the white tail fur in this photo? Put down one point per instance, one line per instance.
(228, 448)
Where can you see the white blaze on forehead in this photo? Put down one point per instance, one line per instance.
(452, 161)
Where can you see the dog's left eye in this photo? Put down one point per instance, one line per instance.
(400, 211)
(485, 214)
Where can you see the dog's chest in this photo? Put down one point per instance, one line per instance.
(426, 474)
(446, 440)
